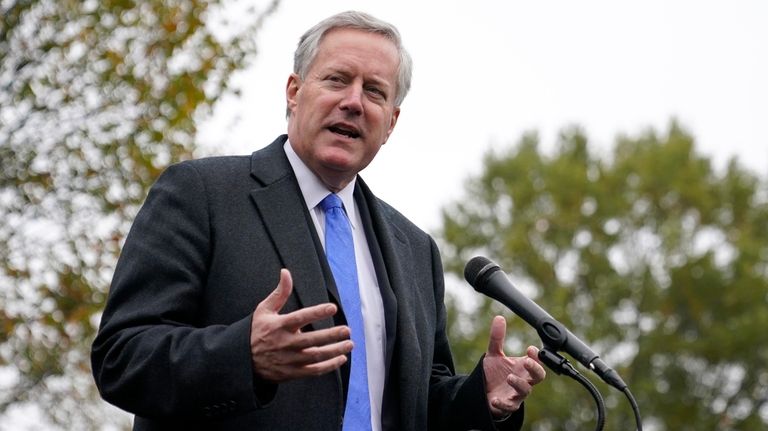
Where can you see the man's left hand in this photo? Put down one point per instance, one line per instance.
(508, 380)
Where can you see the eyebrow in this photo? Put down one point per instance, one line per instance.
(345, 71)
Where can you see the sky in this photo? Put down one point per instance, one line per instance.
(485, 72)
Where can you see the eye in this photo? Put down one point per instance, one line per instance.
(336, 79)
(376, 92)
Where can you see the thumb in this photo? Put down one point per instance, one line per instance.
(498, 333)
(277, 299)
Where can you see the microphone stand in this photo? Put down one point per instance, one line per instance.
(560, 365)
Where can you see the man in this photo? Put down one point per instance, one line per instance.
(195, 335)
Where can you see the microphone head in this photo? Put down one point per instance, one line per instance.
(477, 269)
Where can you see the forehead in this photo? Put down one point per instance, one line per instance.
(352, 47)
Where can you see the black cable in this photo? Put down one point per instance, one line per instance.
(635, 408)
(598, 399)
(560, 365)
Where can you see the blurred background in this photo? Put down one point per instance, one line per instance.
(611, 157)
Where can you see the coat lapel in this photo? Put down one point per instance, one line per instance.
(397, 256)
(284, 214)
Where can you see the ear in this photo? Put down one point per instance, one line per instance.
(393, 121)
(292, 88)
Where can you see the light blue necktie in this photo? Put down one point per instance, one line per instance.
(340, 251)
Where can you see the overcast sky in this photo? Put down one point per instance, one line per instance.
(488, 71)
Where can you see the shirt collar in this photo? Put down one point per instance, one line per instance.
(314, 190)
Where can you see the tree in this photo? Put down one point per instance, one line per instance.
(97, 98)
(656, 259)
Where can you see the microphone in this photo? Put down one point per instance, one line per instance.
(487, 278)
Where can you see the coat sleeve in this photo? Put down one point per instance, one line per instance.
(152, 355)
(458, 402)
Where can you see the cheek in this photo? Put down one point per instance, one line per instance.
(370, 151)
(309, 122)
(384, 126)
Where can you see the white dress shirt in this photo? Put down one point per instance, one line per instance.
(315, 191)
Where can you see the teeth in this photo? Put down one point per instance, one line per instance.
(349, 133)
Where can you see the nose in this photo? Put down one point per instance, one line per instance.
(352, 100)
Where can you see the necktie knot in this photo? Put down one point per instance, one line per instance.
(331, 201)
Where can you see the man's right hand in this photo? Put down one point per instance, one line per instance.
(280, 351)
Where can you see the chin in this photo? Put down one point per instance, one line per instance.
(335, 156)
(340, 167)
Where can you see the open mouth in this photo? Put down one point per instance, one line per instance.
(344, 131)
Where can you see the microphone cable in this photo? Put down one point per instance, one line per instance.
(560, 365)
(635, 408)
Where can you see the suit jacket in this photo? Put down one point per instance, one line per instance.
(206, 247)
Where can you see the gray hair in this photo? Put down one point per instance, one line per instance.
(306, 51)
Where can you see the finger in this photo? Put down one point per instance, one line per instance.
(292, 357)
(505, 406)
(284, 372)
(321, 337)
(533, 353)
(319, 354)
(300, 318)
(289, 362)
(324, 367)
(498, 332)
(275, 301)
(520, 385)
(536, 372)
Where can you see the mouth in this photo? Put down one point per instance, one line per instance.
(345, 130)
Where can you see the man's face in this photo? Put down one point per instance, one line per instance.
(343, 112)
